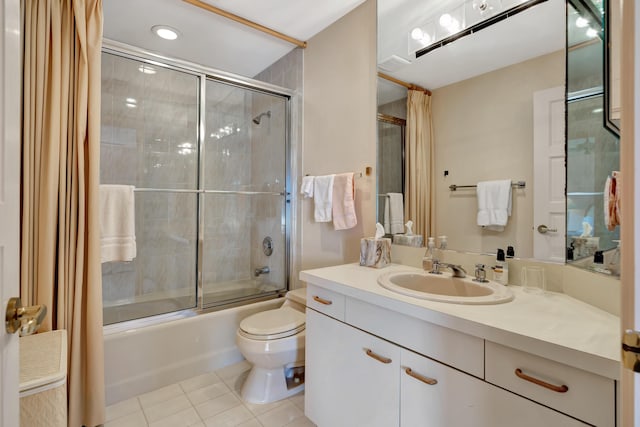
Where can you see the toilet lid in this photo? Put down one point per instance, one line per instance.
(273, 324)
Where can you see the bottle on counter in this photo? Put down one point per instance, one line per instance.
(501, 269)
(429, 255)
(510, 252)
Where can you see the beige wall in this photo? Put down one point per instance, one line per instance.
(483, 131)
(339, 131)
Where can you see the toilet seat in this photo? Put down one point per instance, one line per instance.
(273, 324)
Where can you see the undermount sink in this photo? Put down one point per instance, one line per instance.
(445, 288)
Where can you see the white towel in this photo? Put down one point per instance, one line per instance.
(117, 223)
(494, 204)
(306, 188)
(344, 208)
(323, 198)
(394, 214)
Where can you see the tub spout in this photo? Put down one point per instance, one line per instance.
(261, 270)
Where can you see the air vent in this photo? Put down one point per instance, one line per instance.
(393, 63)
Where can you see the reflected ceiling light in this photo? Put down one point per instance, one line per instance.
(597, 110)
(592, 33)
(581, 22)
(166, 32)
(464, 19)
(146, 69)
(132, 100)
(131, 105)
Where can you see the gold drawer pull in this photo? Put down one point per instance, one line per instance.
(426, 380)
(559, 389)
(322, 300)
(377, 356)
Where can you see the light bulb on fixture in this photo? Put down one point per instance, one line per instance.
(581, 22)
(446, 20)
(165, 32)
(591, 33)
(417, 34)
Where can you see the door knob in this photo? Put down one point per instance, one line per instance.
(27, 320)
(543, 229)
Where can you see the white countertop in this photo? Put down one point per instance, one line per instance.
(552, 325)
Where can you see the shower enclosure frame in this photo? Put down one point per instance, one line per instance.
(204, 74)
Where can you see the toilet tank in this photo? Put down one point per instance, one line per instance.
(297, 299)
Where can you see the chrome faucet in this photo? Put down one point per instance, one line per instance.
(261, 270)
(481, 274)
(457, 270)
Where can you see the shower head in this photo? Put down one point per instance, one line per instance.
(258, 118)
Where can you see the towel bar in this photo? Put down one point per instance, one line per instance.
(517, 184)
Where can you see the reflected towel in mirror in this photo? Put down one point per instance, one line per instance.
(494, 204)
(394, 213)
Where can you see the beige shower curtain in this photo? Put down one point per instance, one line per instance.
(60, 262)
(419, 161)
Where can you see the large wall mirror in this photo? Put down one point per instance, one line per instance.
(498, 108)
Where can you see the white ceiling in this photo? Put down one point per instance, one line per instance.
(217, 42)
(534, 32)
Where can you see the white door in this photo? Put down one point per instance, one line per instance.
(9, 203)
(630, 231)
(549, 175)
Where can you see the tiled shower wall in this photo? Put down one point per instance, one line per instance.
(286, 72)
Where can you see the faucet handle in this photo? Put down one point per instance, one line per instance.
(481, 274)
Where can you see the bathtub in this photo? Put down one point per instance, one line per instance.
(141, 356)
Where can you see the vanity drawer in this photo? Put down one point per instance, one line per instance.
(588, 397)
(453, 348)
(325, 301)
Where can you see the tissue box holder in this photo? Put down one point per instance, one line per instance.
(375, 252)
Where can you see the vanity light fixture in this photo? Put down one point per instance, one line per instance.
(471, 16)
(166, 32)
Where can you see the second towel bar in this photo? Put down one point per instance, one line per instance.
(517, 184)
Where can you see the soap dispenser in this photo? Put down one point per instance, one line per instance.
(501, 269)
(598, 263)
(429, 255)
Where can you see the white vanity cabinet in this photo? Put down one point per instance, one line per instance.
(374, 365)
(353, 376)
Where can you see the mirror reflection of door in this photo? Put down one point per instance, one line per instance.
(549, 175)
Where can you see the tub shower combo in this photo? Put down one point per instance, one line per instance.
(208, 155)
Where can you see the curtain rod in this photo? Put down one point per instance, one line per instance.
(241, 20)
(410, 86)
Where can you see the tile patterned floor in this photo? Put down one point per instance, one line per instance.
(211, 400)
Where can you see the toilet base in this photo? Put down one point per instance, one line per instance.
(267, 385)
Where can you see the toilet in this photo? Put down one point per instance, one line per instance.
(273, 342)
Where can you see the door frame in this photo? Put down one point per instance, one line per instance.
(10, 127)
(629, 157)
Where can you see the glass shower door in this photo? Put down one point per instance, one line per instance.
(149, 139)
(243, 226)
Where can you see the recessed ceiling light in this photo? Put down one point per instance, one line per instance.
(165, 32)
